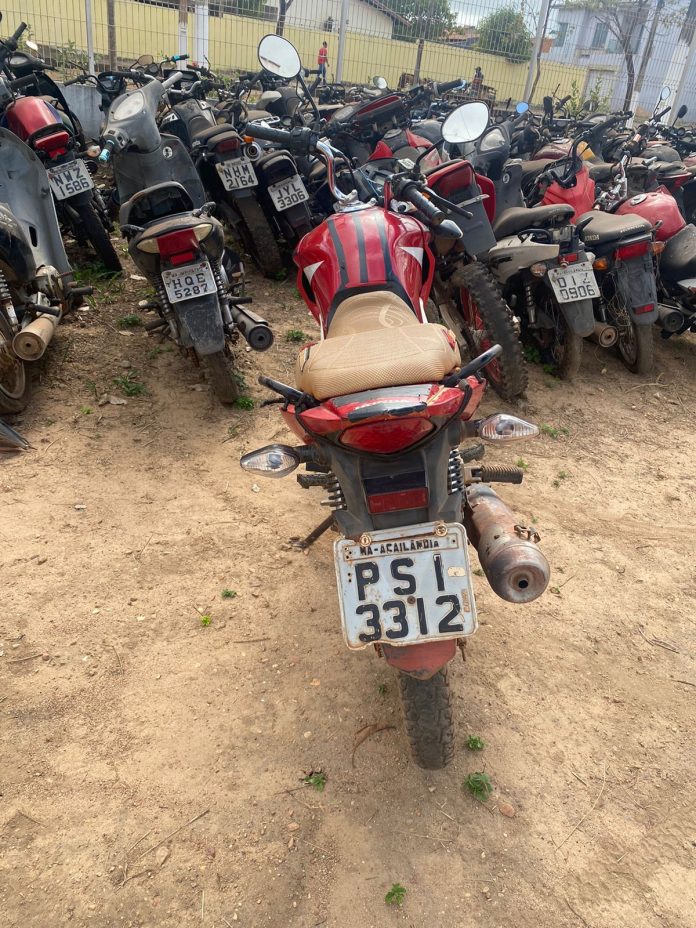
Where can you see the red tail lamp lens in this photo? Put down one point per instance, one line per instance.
(49, 143)
(179, 247)
(387, 435)
(398, 500)
(569, 259)
(227, 145)
(632, 251)
(648, 308)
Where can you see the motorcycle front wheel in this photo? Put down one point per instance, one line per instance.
(428, 718)
(15, 381)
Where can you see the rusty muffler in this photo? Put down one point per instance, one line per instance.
(513, 564)
(605, 335)
(31, 343)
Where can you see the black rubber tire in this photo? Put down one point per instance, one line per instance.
(15, 388)
(566, 351)
(259, 238)
(219, 372)
(428, 718)
(639, 354)
(93, 229)
(508, 373)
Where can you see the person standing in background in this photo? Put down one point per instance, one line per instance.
(322, 61)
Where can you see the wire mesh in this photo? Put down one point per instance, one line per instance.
(619, 54)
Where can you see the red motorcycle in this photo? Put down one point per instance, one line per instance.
(380, 406)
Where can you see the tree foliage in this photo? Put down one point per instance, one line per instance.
(426, 19)
(505, 32)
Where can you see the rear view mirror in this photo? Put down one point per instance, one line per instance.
(466, 123)
(380, 83)
(548, 106)
(665, 92)
(278, 56)
(32, 45)
(682, 111)
(522, 107)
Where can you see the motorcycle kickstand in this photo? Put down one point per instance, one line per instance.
(303, 544)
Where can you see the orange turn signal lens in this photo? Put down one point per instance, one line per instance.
(538, 270)
(658, 248)
(600, 264)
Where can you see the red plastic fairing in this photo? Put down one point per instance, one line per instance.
(421, 660)
(654, 206)
(29, 115)
(451, 177)
(554, 150)
(367, 249)
(380, 103)
(386, 435)
(581, 196)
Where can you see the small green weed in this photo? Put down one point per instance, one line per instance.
(396, 895)
(532, 354)
(240, 380)
(553, 431)
(316, 779)
(562, 475)
(478, 572)
(522, 464)
(244, 402)
(228, 594)
(92, 387)
(129, 321)
(479, 785)
(129, 384)
(382, 689)
(296, 335)
(86, 410)
(206, 620)
(474, 743)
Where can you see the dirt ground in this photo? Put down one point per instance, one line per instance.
(152, 758)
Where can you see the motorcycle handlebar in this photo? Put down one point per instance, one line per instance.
(17, 34)
(663, 113)
(22, 82)
(172, 79)
(446, 86)
(412, 194)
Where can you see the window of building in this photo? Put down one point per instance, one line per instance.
(599, 39)
(561, 35)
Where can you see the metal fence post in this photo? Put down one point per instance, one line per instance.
(183, 27)
(89, 29)
(541, 31)
(343, 25)
(201, 22)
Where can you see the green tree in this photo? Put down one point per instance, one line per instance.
(504, 32)
(423, 19)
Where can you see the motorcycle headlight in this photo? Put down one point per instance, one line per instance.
(492, 140)
(131, 105)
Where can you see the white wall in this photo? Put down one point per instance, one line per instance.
(361, 18)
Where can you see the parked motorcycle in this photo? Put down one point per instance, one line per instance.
(56, 138)
(174, 239)
(380, 407)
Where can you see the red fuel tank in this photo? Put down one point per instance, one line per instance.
(654, 206)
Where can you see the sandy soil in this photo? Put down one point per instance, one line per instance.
(125, 716)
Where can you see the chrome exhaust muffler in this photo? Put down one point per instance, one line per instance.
(669, 318)
(31, 343)
(513, 564)
(605, 335)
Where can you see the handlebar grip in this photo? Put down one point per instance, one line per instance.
(562, 103)
(17, 34)
(172, 79)
(80, 79)
(446, 86)
(663, 113)
(431, 212)
(281, 136)
(22, 82)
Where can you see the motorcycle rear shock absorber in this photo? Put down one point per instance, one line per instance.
(166, 307)
(455, 477)
(336, 500)
(6, 301)
(529, 302)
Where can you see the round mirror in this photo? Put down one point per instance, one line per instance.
(466, 123)
(32, 45)
(521, 107)
(379, 82)
(152, 68)
(278, 56)
(665, 92)
(682, 111)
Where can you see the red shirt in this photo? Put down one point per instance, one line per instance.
(323, 56)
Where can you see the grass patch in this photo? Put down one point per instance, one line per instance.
(129, 321)
(396, 895)
(129, 384)
(296, 335)
(316, 779)
(228, 594)
(479, 785)
(553, 431)
(205, 620)
(382, 689)
(244, 402)
(522, 464)
(474, 743)
(86, 410)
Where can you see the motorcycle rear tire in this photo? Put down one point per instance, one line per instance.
(567, 346)
(641, 357)
(508, 373)
(428, 718)
(15, 387)
(218, 369)
(259, 238)
(100, 240)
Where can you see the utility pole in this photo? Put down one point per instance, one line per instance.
(342, 27)
(89, 26)
(183, 27)
(111, 34)
(536, 51)
(201, 22)
(686, 70)
(645, 57)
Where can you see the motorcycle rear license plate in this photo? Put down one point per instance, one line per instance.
(575, 282)
(236, 175)
(407, 586)
(189, 282)
(70, 178)
(288, 193)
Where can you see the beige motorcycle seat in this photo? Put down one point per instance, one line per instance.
(374, 341)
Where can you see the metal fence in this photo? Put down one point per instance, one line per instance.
(521, 50)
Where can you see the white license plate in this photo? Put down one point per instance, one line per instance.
(408, 585)
(575, 282)
(70, 178)
(236, 175)
(288, 193)
(188, 282)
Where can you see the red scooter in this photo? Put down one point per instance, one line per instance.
(380, 406)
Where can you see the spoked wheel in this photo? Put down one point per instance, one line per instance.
(427, 707)
(635, 345)
(15, 382)
(480, 318)
(561, 346)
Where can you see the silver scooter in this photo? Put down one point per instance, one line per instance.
(174, 239)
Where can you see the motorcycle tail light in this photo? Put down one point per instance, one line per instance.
(396, 492)
(228, 145)
(600, 264)
(54, 144)
(569, 259)
(271, 461)
(178, 247)
(538, 270)
(386, 436)
(502, 427)
(632, 251)
(648, 308)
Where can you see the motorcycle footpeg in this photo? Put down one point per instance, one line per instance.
(154, 324)
(81, 291)
(496, 473)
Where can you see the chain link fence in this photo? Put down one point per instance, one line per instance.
(615, 53)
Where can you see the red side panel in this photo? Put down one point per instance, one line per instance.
(659, 204)
(29, 115)
(581, 197)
